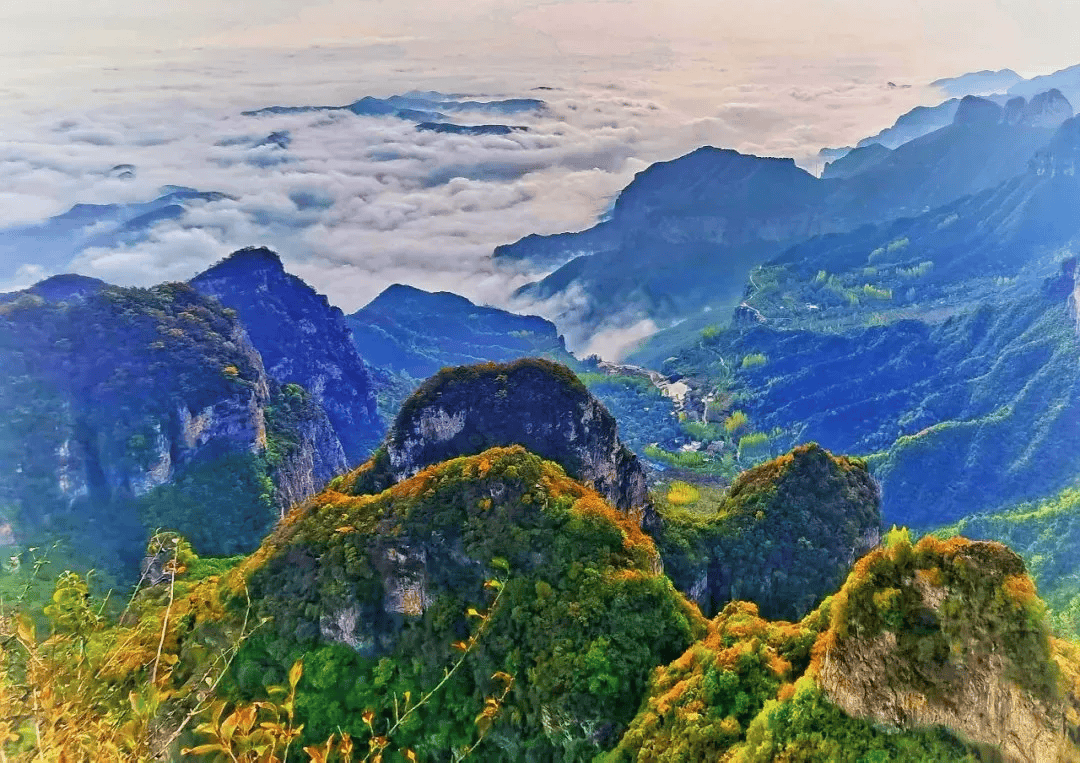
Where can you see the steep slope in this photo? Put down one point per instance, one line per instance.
(374, 590)
(684, 233)
(128, 409)
(535, 403)
(924, 646)
(415, 332)
(784, 537)
(302, 339)
(946, 344)
(920, 121)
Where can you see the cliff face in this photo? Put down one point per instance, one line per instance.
(784, 538)
(951, 634)
(500, 540)
(130, 409)
(302, 339)
(303, 449)
(685, 234)
(535, 403)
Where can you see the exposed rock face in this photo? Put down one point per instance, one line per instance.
(302, 340)
(981, 705)
(110, 393)
(535, 403)
(130, 409)
(945, 635)
(785, 537)
(1049, 109)
(309, 451)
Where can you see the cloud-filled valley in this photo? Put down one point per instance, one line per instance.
(360, 201)
(355, 203)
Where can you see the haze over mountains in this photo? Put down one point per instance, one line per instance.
(679, 235)
(456, 535)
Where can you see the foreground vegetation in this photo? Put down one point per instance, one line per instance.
(491, 608)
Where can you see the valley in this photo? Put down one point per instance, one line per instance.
(825, 511)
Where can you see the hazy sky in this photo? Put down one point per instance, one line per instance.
(70, 47)
(88, 84)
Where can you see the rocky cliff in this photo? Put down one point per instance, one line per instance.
(303, 449)
(302, 339)
(934, 651)
(535, 403)
(951, 634)
(131, 409)
(575, 611)
(784, 537)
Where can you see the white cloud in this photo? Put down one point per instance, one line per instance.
(354, 204)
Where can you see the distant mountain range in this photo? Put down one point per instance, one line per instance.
(415, 332)
(428, 110)
(998, 86)
(945, 343)
(682, 235)
(56, 241)
(983, 82)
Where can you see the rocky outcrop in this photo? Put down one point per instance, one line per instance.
(130, 409)
(949, 634)
(535, 403)
(974, 110)
(303, 445)
(302, 339)
(784, 538)
(1048, 110)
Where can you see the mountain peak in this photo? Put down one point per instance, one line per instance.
(536, 403)
(248, 258)
(1047, 109)
(65, 287)
(975, 110)
(417, 332)
(302, 338)
(895, 646)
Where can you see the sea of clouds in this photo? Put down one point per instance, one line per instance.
(354, 204)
